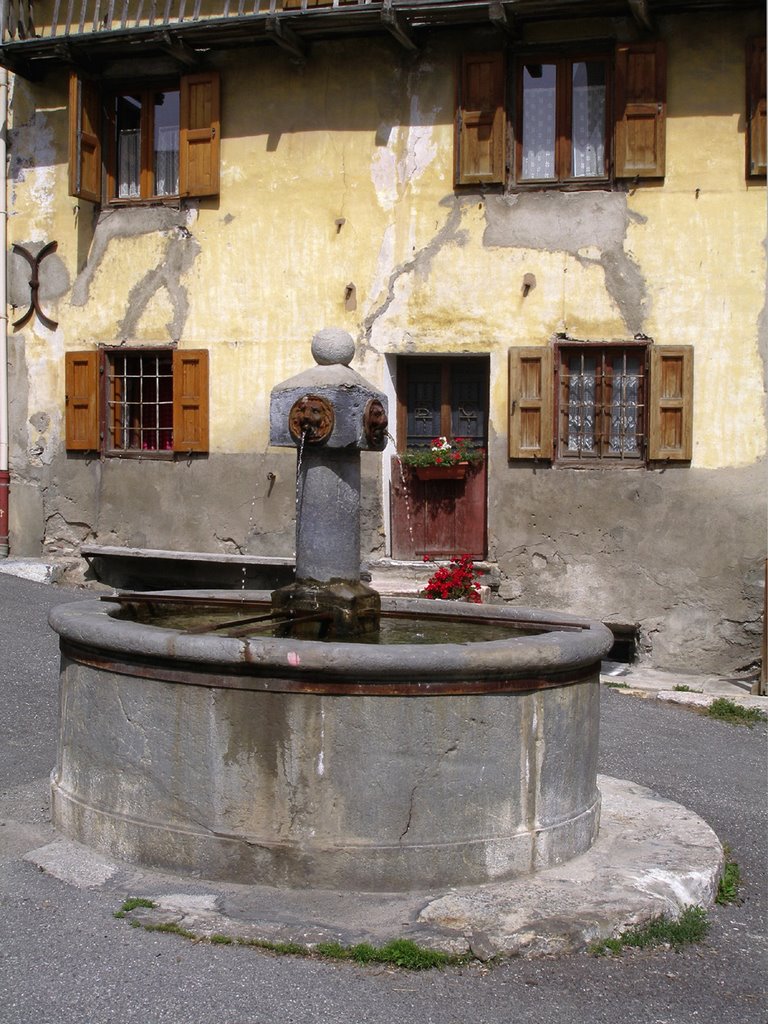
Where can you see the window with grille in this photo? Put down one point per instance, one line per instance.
(140, 401)
(137, 402)
(602, 397)
(587, 404)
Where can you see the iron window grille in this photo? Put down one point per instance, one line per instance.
(602, 402)
(139, 403)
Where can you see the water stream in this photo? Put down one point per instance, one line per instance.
(406, 494)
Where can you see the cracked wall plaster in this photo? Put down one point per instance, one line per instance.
(180, 253)
(420, 263)
(590, 226)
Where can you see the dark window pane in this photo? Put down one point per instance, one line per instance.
(166, 143)
(140, 402)
(128, 146)
(423, 403)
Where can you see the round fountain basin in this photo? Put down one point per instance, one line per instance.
(384, 767)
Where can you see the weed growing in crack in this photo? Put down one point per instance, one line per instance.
(728, 886)
(726, 710)
(131, 904)
(399, 952)
(691, 926)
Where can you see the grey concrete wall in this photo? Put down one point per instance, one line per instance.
(678, 551)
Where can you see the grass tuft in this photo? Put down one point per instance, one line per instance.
(726, 710)
(684, 688)
(136, 901)
(617, 686)
(691, 926)
(169, 927)
(400, 952)
(728, 887)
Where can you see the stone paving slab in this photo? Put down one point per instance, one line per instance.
(702, 689)
(652, 857)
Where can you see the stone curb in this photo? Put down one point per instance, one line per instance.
(652, 857)
(692, 698)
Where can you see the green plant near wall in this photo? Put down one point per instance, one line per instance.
(728, 887)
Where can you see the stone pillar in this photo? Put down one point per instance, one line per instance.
(328, 516)
(329, 414)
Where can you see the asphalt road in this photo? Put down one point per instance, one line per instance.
(65, 959)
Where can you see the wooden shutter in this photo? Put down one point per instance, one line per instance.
(190, 400)
(641, 110)
(481, 120)
(84, 139)
(81, 409)
(199, 134)
(756, 133)
(531, 394)
(670, 434)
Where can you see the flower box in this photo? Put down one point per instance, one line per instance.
(457, 471)
(449, 458)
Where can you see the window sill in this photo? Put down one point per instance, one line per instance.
(604, 465)
(146, 455)
(603, 185)
(174, 201)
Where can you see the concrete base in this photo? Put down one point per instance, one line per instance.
(652, 857)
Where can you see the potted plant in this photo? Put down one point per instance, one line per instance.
(443, 459)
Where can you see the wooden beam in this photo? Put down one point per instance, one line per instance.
(286, 38)
(179, 50)
(502, 18)
(397, 26)
(23, 68)
(70, 55)
(641, 14)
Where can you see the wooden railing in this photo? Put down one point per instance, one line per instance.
(50, 19)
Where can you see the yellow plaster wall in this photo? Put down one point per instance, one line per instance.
(341, 173)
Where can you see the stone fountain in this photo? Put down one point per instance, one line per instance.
(303, 758)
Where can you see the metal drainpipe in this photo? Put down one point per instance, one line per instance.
(4, 474)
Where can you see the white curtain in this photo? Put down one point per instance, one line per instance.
(624, 405)
(129, 163)
(167, 161)
(588, 143)
(581, 403)
(539, 122)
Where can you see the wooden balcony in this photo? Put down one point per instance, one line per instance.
(38, 35)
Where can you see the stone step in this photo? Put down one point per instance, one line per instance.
(408, 578)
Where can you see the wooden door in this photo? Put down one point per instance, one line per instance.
(440, 518)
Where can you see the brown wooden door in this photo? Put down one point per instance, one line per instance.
(439, 518)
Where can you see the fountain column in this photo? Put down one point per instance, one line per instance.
(329, 414)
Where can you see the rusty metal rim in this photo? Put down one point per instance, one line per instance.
(247, 677)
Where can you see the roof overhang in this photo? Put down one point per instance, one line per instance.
(32, 51)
